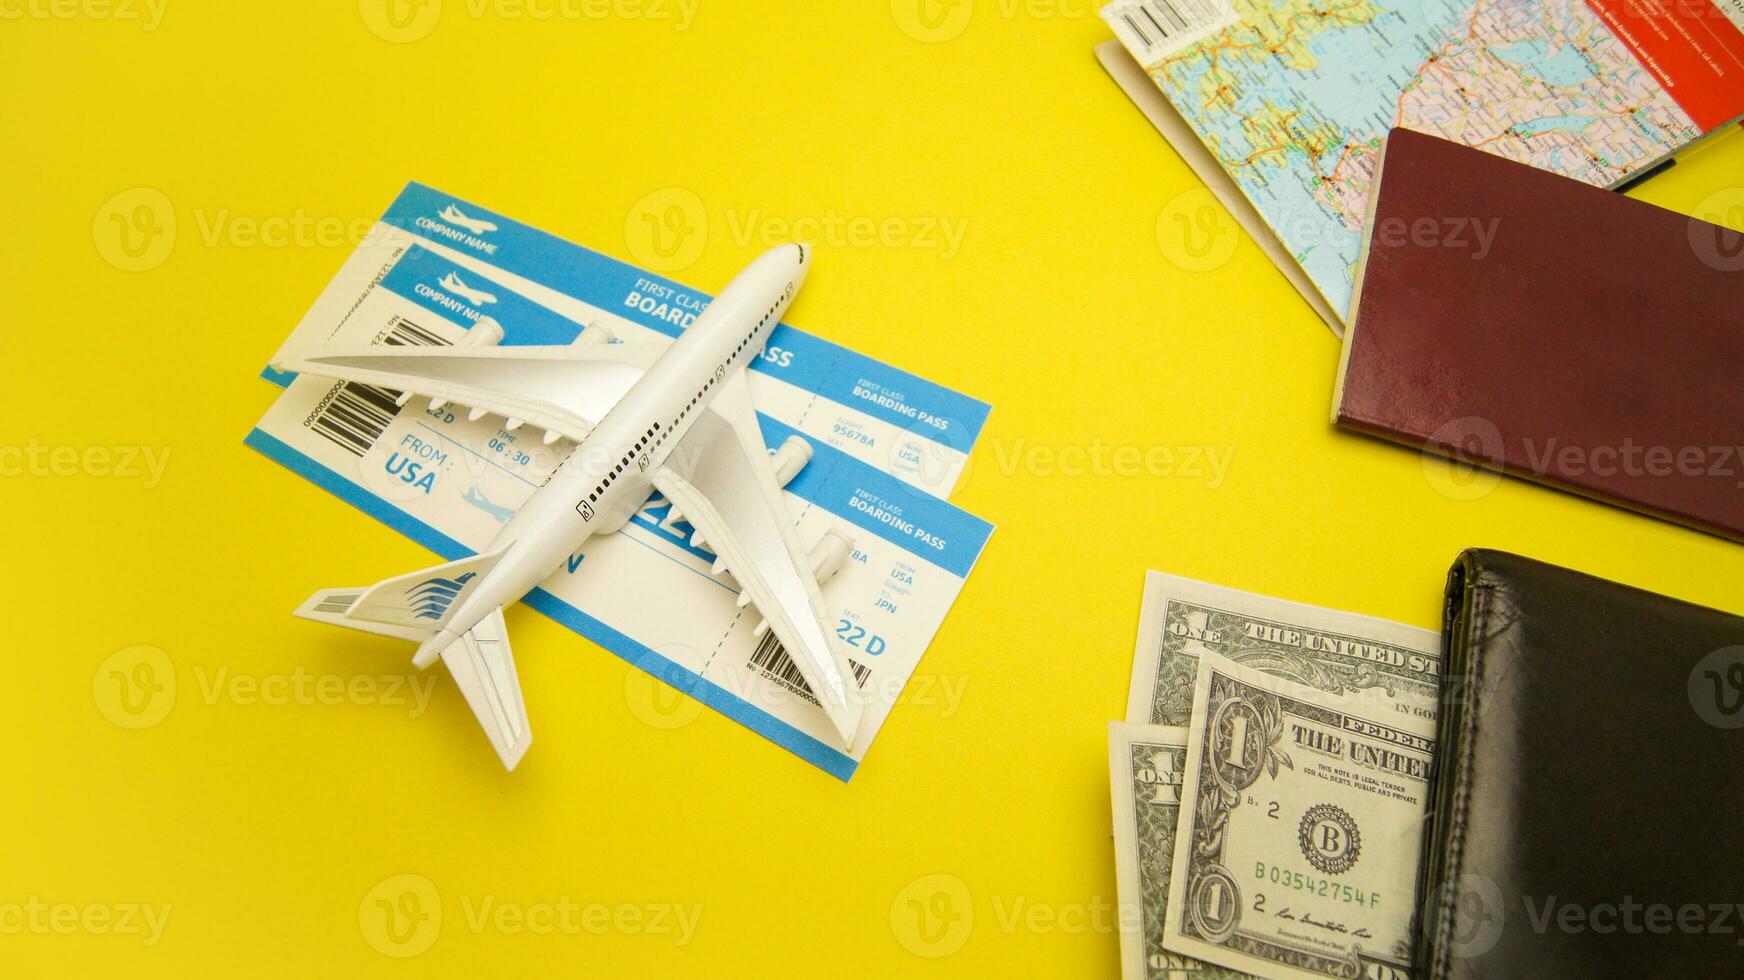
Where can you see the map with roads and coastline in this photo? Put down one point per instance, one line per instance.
(1295, 99)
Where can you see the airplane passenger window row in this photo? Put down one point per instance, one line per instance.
(682, 414)
(623, 464)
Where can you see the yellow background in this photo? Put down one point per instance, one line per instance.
(272, 830)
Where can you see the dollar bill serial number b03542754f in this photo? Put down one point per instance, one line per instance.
(1312, 884)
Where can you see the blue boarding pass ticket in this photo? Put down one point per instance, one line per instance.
(886, 446)
(459, 261)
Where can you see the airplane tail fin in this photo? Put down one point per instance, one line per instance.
(418, 607)
(484, 670)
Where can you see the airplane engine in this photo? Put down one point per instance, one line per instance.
(790, 459)
(485, 332)
(592, 334)
(828, 555)
(827, 558)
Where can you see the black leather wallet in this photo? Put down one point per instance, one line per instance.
(1587, 815)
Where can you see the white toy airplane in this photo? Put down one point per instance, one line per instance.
(674, 418)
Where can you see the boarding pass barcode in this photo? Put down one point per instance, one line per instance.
(1154, 29)
(353, 416)
(771, 660)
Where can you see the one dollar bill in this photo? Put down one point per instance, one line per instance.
(1146, 766)
(1297, 839)
(1326, 649)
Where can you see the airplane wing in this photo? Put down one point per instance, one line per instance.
(560, 389)
(721, 478)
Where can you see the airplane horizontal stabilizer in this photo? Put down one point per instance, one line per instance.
(411, 606)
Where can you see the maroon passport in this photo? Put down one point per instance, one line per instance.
(1518, 320)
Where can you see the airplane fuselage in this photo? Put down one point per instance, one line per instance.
(608, 475)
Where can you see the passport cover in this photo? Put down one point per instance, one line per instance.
(1584, 816)
(1514, 319)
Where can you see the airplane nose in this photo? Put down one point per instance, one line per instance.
(798, 258)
